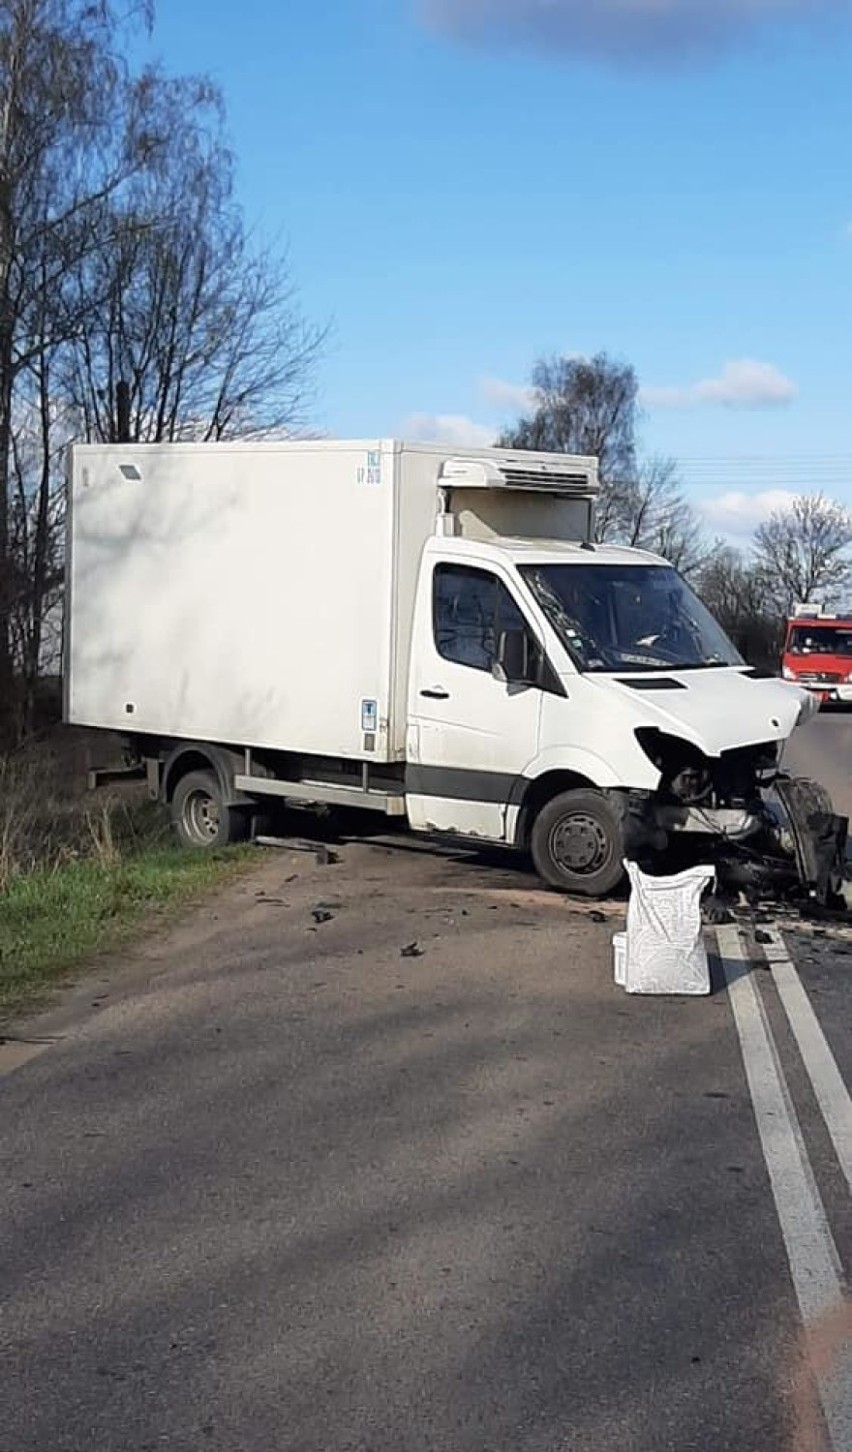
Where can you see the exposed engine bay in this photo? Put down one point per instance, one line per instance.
(766, 833)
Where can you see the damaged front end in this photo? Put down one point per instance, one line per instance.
(766, 834)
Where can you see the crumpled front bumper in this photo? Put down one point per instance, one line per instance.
(793, 844)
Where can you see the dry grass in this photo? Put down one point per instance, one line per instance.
(48, 820)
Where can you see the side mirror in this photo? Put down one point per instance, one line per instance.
(512, 665)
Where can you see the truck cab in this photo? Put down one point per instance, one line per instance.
(573, 698)
(817, 653)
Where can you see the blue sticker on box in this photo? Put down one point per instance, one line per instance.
(369, 717)
(370, 472)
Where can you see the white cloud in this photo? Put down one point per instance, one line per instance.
(507, 397)
(737, 513)
(628, 32)
(743, 383)
(448, 428)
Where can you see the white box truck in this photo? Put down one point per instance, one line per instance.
(427, 632)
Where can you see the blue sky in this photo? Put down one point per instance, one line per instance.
(466, 184)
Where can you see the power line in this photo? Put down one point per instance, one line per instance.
(805, 460)
(794, 473)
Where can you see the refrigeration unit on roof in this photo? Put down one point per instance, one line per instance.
(534, 474)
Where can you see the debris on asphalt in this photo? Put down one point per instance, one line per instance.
(597, 916)
(715, 912)
(321, 915)
(411, 950)
(323, 855)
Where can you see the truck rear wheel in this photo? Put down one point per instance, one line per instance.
(201, 816)
(577, 843)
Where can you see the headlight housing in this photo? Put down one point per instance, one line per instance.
(788, 674)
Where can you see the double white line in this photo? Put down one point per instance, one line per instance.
(814, 1263)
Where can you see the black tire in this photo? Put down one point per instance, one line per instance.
(577, 843)
(200, 815)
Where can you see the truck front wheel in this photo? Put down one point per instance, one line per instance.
(201, 816)
(577, 843)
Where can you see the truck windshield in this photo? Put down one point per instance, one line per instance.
(628, 618)
(820, 640)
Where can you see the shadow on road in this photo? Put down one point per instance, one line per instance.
(348, 1202)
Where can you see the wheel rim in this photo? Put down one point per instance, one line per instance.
(579, 844)
(201, 816)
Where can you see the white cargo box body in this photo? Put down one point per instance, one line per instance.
(261, 594)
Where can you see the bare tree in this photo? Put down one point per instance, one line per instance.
(586, 406)
(590, 406)
(37, 509)
(72, 127)
(734, 591)
(42, 425)
(653, 514)
(122, 255)
(802, 553)
(204, 328)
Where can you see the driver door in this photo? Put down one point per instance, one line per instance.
(471, 736)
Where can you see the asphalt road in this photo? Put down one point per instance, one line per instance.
(268, 1184)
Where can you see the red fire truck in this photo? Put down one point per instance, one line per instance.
(818, 652)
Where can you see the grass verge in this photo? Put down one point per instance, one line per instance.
(51, 920)
(81, 874)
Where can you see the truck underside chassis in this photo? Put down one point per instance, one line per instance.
(767, 835)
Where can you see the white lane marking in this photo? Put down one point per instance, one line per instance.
(811, 1252)
(829, 1088)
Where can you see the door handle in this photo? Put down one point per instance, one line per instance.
(437, 693)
